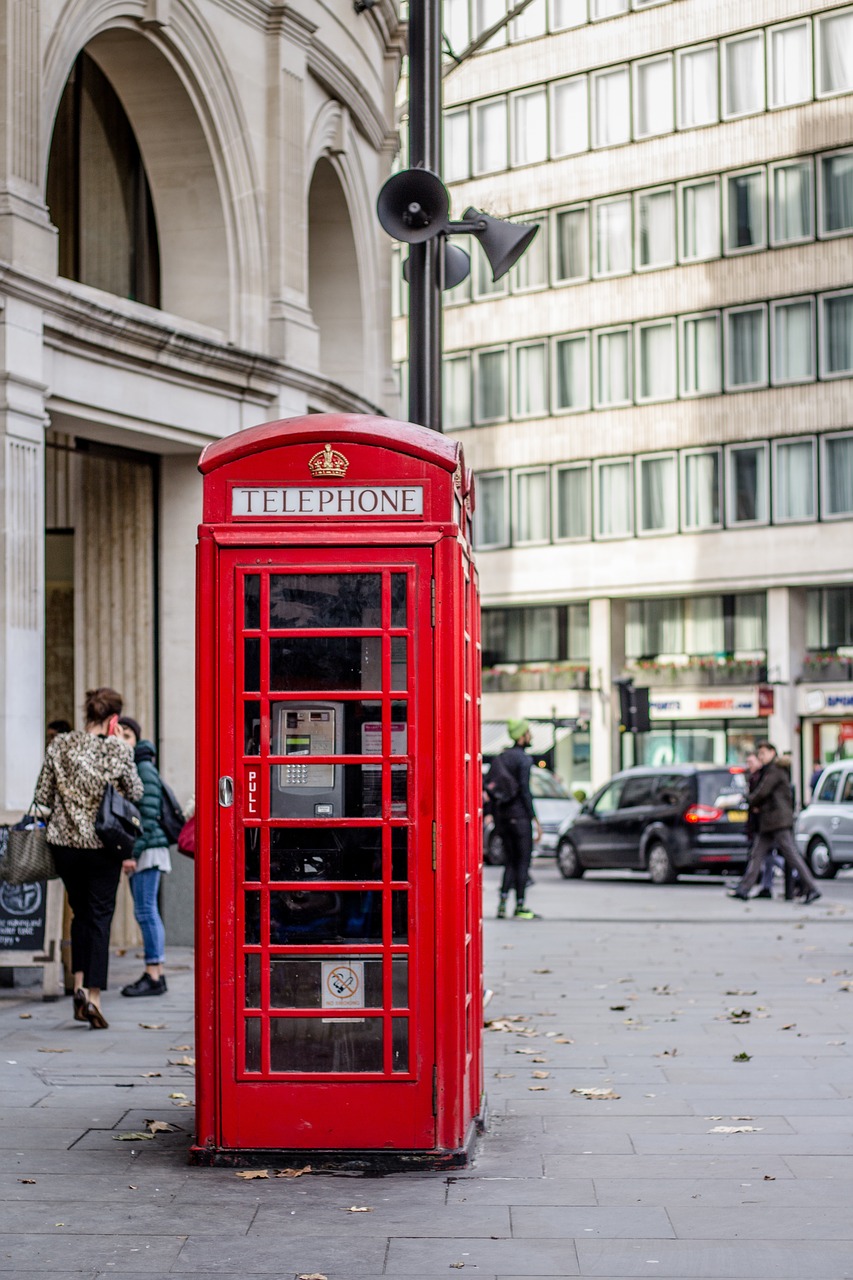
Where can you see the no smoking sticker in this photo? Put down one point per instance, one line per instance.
(343, 984)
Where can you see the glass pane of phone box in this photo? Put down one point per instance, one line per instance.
(335, 1044)
(296, 982)
(299, 916)
(339, 600)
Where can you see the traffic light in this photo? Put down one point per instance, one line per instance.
(633, 708)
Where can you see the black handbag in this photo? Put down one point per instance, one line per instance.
(118, 824)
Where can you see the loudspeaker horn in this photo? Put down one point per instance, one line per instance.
(457, 266)
(503, 242)
(413, 206)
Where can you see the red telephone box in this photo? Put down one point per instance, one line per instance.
(338, 863)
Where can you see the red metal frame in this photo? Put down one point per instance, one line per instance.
(428, 1113)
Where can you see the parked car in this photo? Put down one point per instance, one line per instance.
(553, 806)
(824, 828)
(663, 820)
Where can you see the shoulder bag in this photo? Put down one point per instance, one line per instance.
(28, 857)
(118, 824)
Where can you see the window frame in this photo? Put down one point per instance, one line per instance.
(594, 206)
(776, 305)
(728, 386)
(595, 334)
(740, 38)
(768, 58)
(555, 232)
(759, 245)
(555, 502)
(543, 222)
(553, 26)
(730, 491)
(476, 107)
(773, 240)
(635, 84)
(553, 85)
(512, 99)
(597, 465)
(823, 440)
(823, 374)
(716, 315)
(504, 474)
(556, 407)
(782, 441)
(639, 326)
(607, 17)
(638, 196)
(640, 532)
(682, 479)
(819, 20)
(819, 198)
(464, 110)
(680, 187)
(594, 76)
(517, 473)
(515, 414)
(475, 405)
(458, 357)
(680, 54)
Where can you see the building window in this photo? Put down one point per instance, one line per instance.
(490, 136)
(748, 487)
(571, 372)
(457, 391)
(531, 270)
(606, 8)
(460, 292)
(837, 471)
(491, 385)
(655, 361)
(457, 142)
(521, 635)
(486, 14)
(792, 349)
(529, 127)
(749, 624)
(701, 367)
(704, 625)
(613, 499)
(829, 618)
(530, 373)
(612, 367)
(611, 220)
(531, 517)
(698, 93)
(836, 335)
(657, 494)
(699, 216)
(743, 75)
(655, 228)
(835, 53)
(484, 284)
(491, 515)
(835, 193)
(572, 502)
(789, 59)
(746, 347)
(457, 27)
(571, 244)
(577, 637)
(745, 205)
(653, 99)
(568, 13)
(794, 480)
(700, 489)
(654, 628)
(791, 202)
(611, 101)
(569, 116)
(531, 23)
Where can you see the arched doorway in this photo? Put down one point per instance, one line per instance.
(334, 291)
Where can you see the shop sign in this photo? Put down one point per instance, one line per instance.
(766, 700)
(708, 705)
(816, 702)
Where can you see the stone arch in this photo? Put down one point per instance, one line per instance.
(174, 85)
(334, 289)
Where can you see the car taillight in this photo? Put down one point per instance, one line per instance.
(702, 813)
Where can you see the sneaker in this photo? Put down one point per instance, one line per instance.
(146, 986)
(502, 909)
(524, 913)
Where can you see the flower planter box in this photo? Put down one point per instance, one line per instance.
(831, 669)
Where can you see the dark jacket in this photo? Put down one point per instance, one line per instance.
(153, 836)
(772, 799)
(752, 781)
(517, 764)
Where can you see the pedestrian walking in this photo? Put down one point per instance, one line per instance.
(150, 861)
(772, 802)
(508, 787)
(77, 768)
(771, 859)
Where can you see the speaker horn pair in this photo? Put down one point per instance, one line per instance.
(413, 206)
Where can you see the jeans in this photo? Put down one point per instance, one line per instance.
(144, 886)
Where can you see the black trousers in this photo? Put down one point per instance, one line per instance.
(783, 842)
(517, 837)
(91, 879)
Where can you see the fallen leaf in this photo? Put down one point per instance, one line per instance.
(618, 1008)
(177, 1095)
(358, 1208)
(597, 1094)
(25, 1015)
(186, 1103)
(182, 1062)
(538, 1088)
(770, 1177)
(815, 982)
(54, 1050)
(315, 1275)
(504, 1075)
(249, 1174)
(667, 1053)
(292, 1173)
(743, 1117)
(457, 1266)
(538, 1059)
(742, 1057)
(136, 1136)
(789, 1026)
(151, 1075)
(543, 970)
(131, 1187)
(739, 1015)
(152, 1026)
(161, 1126)
(563, 1040)
(181, 1048)
(527, 1051)
(28, 1182)
(122, 951)
(737, 992)
(735, 1128)
(541, 1075)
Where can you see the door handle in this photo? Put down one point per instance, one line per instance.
(226, 792)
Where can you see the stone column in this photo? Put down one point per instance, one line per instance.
(786, 646)
(607, 657)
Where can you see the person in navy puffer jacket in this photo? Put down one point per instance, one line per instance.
(150, 860)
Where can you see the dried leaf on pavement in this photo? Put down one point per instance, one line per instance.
(543, 970)
(742, 1057)
(136, 1136)
(359, 1208)
(177, 1095)
(181, 1048)
(151, 1075)
(789, 1026)
(597, 1094)
(770, 1177)
(738, 992)
(25, 1015)
(735, 1128)
(563, 1040)
(162, 1126)
(28, 1182)
(292, 1173)
(527, 1051)
(54, 1050)
(815, 982)
(504, 1075)
(541, 1075)
(182, 1062)
(538, 1088)
(153, 1026)
(315, 1275)
(249, 1174)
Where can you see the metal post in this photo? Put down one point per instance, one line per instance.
(425, 260)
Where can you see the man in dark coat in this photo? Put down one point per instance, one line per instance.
(772, 803)
(508, 787)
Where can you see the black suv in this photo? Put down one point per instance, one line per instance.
(661, 820)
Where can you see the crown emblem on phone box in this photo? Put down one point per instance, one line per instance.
(328, 462)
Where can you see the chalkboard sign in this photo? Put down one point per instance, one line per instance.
(22, 917)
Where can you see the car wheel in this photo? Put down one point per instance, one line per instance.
(659, 863)
(820, 860)
(493, 853)
(570, 865)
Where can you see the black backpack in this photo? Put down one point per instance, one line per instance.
(171, 815)
(501, 787)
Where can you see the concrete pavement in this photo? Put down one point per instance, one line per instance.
(725, 1029)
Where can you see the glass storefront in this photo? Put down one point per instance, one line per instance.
(693, 742)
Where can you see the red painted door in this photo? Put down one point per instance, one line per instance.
(327, 930)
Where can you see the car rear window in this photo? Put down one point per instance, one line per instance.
(544, 786)
(720, 788)
(829, 785)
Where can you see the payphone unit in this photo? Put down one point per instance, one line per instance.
(299, 731)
